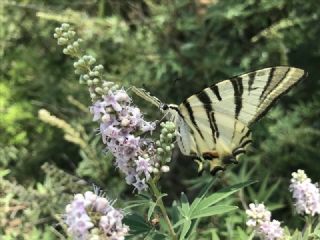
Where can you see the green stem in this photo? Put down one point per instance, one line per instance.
(308, 226)
(160, 204)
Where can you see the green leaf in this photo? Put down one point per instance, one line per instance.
(185, 206)
(214, 210)
(137, 224)
(218, 196)
(137, 203)
(202, 194)
(180, 222)
(185, 229)
(151, 210)
(4, 172)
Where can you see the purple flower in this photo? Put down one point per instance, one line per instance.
(97, 110)
(110, 100)
(271, 230)
(112, 226)
(90, 211)
(257, 214)
(140, 184)
(260, 220)
(120, 122)
(305, 193)
(77, 219)
(144, 166)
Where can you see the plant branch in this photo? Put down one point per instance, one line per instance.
(160, 204)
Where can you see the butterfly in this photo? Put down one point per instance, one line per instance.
(214, 124)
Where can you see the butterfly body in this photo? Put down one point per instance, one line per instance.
(213, 124)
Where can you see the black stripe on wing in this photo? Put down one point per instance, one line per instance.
(279, 82)
(252, 77)
(277, 98)
(190, 112)
(270, 77)
(215, 90)
(238, 91)
(205, 99)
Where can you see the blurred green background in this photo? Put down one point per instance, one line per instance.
(172, 48)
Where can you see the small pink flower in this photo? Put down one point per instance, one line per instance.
(119, 124)
(270, 230)
(260, 220)
(79, 222)
(305, 193)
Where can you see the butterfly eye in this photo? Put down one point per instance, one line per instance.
(165, 107)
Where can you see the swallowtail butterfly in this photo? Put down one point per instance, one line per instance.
(214, 123)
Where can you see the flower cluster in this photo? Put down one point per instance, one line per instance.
(260, 220)
(165, 145)
(305, 193)
(66, 36)
(121, 123)
(90, 216)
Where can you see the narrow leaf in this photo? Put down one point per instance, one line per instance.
(151, 210)
(214, 210)
(220, 195)
(137, 224)
(185, 229)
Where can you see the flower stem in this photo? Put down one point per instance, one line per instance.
(160, 204)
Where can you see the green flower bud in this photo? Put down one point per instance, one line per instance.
(65, 35)
(165, 168)
(169, 135)
(90, 83)
(71, 34)
(115, 87)
(76, 45)
(168, 148)
(99, 90)
(164, 130)
(158, 143)
(107, 84)
(81, 61)
(62, 41)
(65, 26)
(159, 150)
(96, 80)
(93, 95)
(92, 60)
